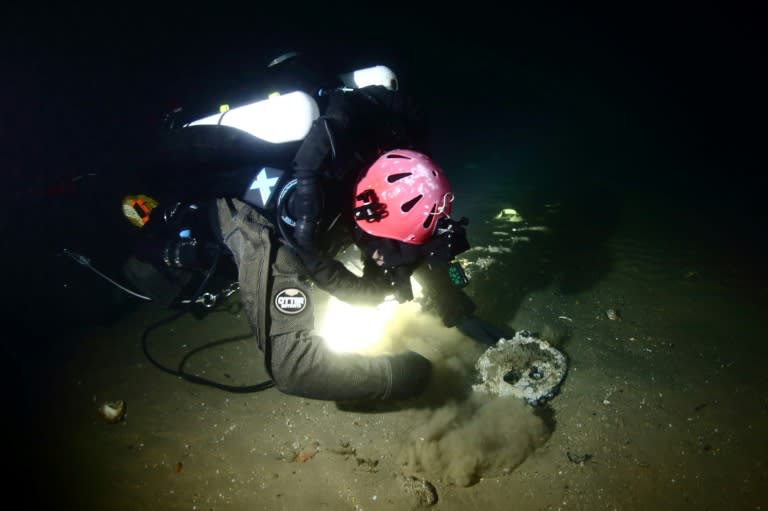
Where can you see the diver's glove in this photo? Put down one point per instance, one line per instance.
(481, 331)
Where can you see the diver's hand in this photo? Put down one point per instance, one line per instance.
(482, 331)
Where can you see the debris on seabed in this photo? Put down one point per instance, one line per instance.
(112, 411)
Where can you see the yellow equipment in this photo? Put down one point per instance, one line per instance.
(137, 208)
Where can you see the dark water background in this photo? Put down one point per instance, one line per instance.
(659, 109)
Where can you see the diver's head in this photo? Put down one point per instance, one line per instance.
(401, 197)
(398, 203)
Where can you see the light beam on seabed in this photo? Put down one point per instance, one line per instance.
(354, 328)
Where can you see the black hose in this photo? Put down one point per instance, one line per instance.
(180, 371)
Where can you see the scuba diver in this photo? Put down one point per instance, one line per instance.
(280, 186)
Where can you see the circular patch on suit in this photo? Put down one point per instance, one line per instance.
(291, 301)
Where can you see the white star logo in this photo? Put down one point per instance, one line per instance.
(264, 184)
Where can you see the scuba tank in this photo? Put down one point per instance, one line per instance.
(261, 138)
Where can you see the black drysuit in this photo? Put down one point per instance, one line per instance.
(278, 265)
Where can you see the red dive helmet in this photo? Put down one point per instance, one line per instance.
(402, 196)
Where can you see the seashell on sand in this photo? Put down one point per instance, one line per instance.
(112, 411)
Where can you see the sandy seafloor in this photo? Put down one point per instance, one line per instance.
(662, 409)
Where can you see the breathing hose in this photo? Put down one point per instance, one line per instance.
(244, 389)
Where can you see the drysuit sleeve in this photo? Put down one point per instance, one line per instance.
(449, 302)
(332, 276)
(308, 163)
